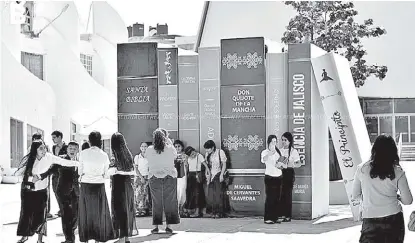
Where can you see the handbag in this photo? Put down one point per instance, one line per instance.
(411, 224)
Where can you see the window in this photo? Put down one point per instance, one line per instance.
(378, 106)
(16, 142)
(32, 130)
(27, 25)
(404, 105)
(33, 63)
(73, 132)
(86, 60)
(106, 146)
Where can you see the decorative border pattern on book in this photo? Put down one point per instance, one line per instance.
(168, 67)
(251, 60)
(250, 142)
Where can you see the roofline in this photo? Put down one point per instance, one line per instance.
(201, 26)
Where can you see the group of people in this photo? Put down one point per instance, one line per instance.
(200, 179)
(279, 178)
(79, 189)
(170, 181)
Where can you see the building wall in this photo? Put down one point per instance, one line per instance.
(269, 19)
(23, 97)
(67, 90)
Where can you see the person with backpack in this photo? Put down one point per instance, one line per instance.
(217, 176)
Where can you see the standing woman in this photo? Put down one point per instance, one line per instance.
(377, 182)
(163, 181)
(273, 181)
(122, 193)
(291, 161)
(34, 191)
(141, 182)
(181, 166)
(216, 160)
(94, 214)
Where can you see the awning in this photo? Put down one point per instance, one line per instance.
(104, 125)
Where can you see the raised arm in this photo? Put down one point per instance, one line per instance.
(59, 161)
(264, 156)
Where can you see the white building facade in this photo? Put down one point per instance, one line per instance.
(55, 78)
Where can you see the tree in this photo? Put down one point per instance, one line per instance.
(330, 25)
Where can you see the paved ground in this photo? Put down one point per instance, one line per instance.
(336, 227)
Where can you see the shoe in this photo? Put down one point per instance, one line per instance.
(155, 231)
(49, 216)
(196, 215)
(23, 240)
(59, 214)
(286, 220)
(269, 222)
(169, 231)
(279, 221)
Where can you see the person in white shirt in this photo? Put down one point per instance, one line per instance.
(163, 181)
(141, 188)
(196, 200)
(382, 187)
(291, 160)
(34, 195)
(273, 181)
(95, 221)
(181, 166)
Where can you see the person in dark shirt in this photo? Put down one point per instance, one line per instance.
(60, 148)
(67, 192)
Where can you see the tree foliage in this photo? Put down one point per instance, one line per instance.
(331, 26)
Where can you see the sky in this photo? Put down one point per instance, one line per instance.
(182, 17)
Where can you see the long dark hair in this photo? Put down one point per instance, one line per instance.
(159, 140)
(269, 140)
(384, 158)
(123, 156)
(290, 139)
(209, 144)
(28, 161)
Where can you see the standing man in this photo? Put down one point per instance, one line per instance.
(59, 148)
(67, 192)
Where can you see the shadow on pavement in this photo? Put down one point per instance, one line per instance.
(234, 225)
(150, 238)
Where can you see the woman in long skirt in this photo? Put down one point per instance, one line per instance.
(141, 182)
(122, 202)
(34, 194)
(163, 181)
(94, 214)
(291, 161)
